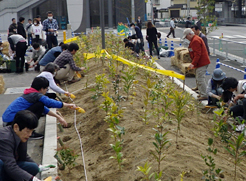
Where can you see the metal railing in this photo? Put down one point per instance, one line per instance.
(12, 4)
(230, 49)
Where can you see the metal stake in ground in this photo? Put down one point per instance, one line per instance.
(102, 23)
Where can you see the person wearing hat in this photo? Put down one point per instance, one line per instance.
(214, 91)
(200, 60)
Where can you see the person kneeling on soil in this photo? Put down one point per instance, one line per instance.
(234, 94)
(67, 65)
(129, 45)
(15, 164)
(49, 72)
(214, 90)
(34, 100)
(36, 56)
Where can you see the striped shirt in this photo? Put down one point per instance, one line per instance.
(64, 58)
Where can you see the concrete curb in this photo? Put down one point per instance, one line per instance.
(50, 146)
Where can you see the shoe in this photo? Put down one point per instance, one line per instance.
(159, 57)
(36, 136)
(73, 81)
(194, 88)
(174, 37)
(202, 98)
(167, 36)
(240, 127)
(198, 95)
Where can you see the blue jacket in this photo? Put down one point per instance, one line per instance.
(50, 56)
(25, 101)
(138, 32)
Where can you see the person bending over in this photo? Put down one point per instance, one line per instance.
(49, 72)
(36, 56)
(15, 164)
(34, 100)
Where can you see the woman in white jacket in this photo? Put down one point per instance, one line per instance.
(49, 72)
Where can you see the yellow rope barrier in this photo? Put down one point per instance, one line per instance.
(127, 62)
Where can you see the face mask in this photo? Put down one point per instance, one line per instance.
(35, 23)
(50, 17)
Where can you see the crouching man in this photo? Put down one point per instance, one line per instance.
(15, 164)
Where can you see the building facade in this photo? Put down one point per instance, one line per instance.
(81, 14)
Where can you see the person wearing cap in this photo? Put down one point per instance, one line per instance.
(200, 60)
(214, 90)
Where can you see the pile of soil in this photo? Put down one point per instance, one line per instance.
(137, 145)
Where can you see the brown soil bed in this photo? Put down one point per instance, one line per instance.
(138, 139)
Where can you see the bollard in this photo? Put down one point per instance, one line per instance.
(30, 41)
(160, 42)
(244, 77)
(172, 49)
(64, 36)
(0, 38)
(166, 45)
(217, 63)
(180, 44)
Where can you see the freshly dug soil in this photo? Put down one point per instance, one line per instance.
(138, 138)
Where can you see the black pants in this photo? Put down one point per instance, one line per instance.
(51, 39)
(239, 110)
(37, 40)
(151, 47)
(140, 46)
(171, 31)
(20, 56)
(37, 109)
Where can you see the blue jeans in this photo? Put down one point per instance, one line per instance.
(29, 167)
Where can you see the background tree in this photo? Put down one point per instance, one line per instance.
(206, 12)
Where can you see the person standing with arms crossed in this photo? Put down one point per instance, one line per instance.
(200, 60)
(50, 26)
(172, 27)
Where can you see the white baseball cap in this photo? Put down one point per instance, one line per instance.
(186, 32)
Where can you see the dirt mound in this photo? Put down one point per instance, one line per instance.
(138, 138)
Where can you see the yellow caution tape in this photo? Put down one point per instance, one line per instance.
(127, 62)
(71, 39)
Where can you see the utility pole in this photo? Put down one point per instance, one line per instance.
(152, 13)
(133, 11)
(102, 22)
(188, 7)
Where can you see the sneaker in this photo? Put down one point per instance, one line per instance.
(36, 136)
(194, 88)
(159, 57)
(240, 127)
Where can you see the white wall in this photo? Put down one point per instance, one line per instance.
(5, 20)
(75, 13)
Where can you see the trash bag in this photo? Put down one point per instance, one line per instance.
(164, 53)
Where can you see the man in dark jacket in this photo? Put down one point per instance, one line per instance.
(139, 37)
(20, 28)
(188, 23)
(12, 27)
(139, 23)
(15, 164)
(197, 32)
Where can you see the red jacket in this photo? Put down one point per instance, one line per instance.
(198, 52)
